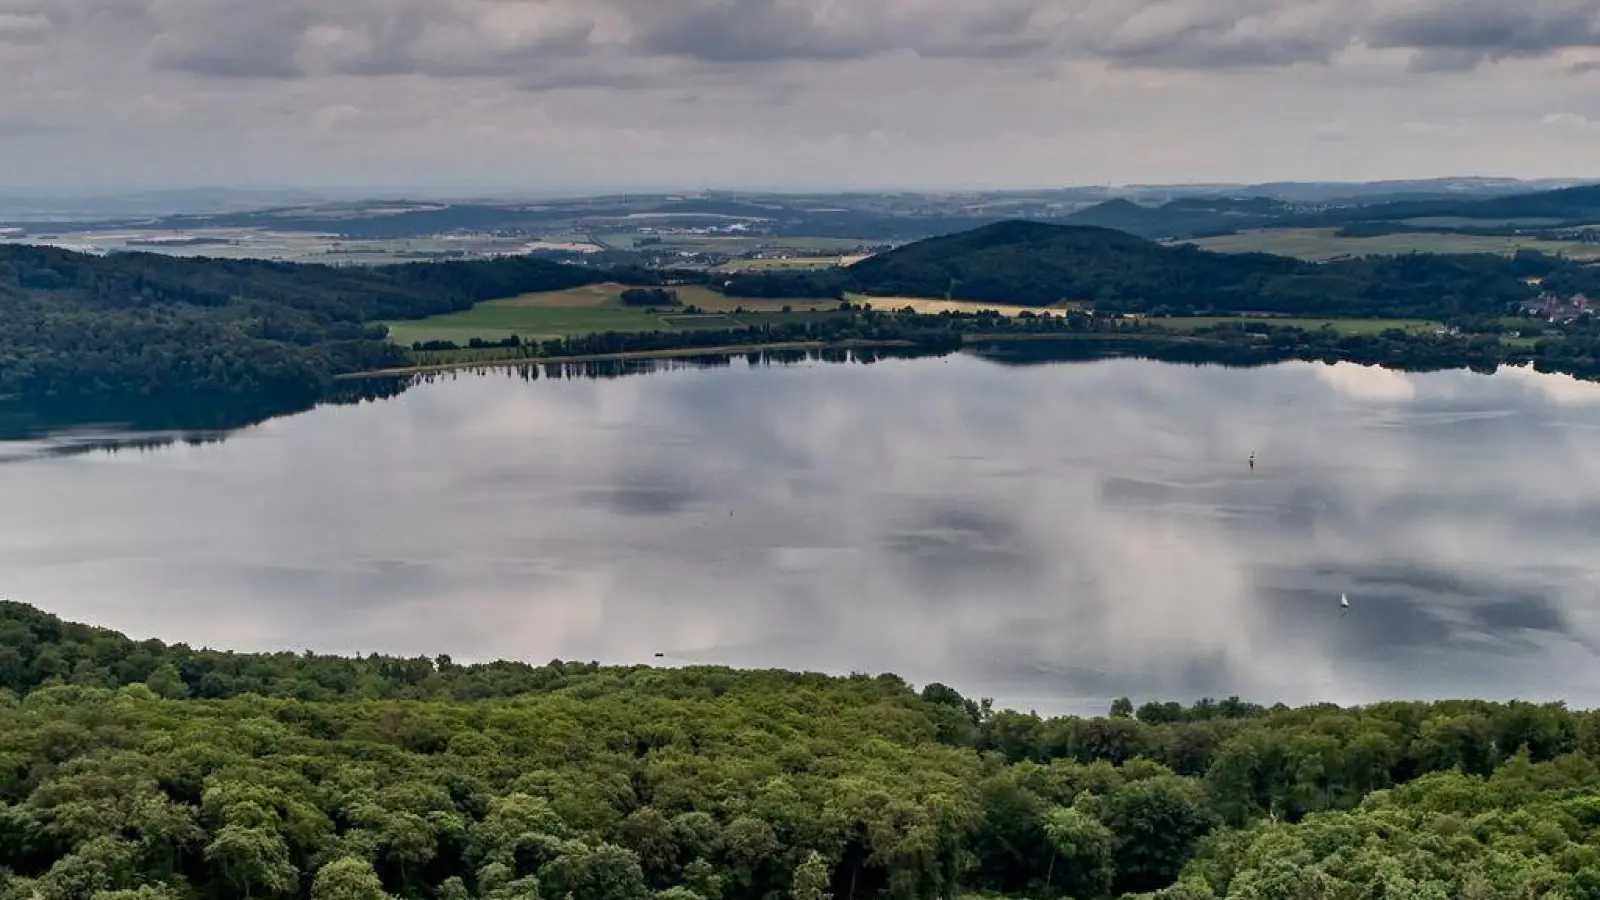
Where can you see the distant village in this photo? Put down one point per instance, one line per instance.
(1558, 310)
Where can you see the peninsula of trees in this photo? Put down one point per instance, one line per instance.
(139, 770)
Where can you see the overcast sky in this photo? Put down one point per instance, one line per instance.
(794, 93)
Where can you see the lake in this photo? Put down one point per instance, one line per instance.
(1052, 536)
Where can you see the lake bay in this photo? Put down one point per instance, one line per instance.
(1052, 536)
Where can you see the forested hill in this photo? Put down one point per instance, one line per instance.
(1039, 264)
(137, 770)
(1579, 204)
(252, 336)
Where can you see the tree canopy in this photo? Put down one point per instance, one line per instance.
(141, 769)
(131, 330)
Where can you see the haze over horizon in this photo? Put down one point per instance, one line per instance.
(793, 94)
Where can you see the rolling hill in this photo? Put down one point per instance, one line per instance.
(1577, 205)
(1187, 217)
(1184, 216)
(1040, 264)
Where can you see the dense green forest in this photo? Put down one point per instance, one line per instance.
(129, 332)
(1039, 264)
(137, 770)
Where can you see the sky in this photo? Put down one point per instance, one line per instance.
(794, 94)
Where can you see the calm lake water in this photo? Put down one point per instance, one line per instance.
(1052, 536)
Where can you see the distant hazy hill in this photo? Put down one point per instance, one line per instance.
(1152, 211)
(1573, 204)
(1185, 216)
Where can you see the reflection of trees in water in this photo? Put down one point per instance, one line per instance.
(67, 422)
(79, 443)
(621, 368)
(61, 432)
(61, 435)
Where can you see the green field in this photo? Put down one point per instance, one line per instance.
(1321, 244)
(591, 309)
(1464, 222)
(598, 307)
(493, 321)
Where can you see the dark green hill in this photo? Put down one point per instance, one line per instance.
(129, 330)
(1039, 264)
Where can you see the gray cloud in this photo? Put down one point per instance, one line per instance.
(527, 39)
(1221, 33)
(232, 39)
(756, 30)
(1454, 35)
(23, 28)
(299, 38)
(787, 93)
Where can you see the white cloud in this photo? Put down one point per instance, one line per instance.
(1572, 122)
(1369, 383)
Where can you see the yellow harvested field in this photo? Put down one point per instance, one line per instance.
(585, 297)
(924, 306)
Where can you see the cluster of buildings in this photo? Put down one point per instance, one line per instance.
(1559, 310)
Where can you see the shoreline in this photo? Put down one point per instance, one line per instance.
(1159, 346)
(621, 356)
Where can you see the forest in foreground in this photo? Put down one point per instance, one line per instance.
(137, 770)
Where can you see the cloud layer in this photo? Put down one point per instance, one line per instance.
(681, 90)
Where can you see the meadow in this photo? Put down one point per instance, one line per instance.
(598, 307)
(591, 309)
(1322, 244)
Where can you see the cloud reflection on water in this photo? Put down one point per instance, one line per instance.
(1050, 535)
